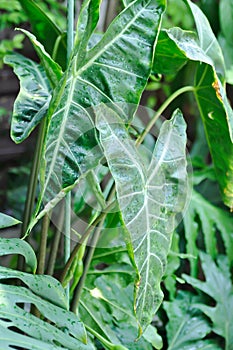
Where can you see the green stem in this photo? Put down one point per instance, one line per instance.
(105, 342)
(43, 245)
(67, 232)
(31, 192)
(70, 28)
(161, 109)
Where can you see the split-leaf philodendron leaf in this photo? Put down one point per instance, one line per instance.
(149, 197)
(107, 73)
(216, 113)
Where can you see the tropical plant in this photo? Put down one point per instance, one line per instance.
(114, 190)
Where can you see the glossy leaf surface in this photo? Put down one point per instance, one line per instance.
(18, 246)
(211, 220)
(7, 221)
(149, 196)
(107, 73)
(44, 286)
(216, 113)
(217, 285)
(41, 26)
(187, 326)
(33, 99)
(67, 330)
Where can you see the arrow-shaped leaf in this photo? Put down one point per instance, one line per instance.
(107, 73)
(149, 198)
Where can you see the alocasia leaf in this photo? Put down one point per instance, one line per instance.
(216, 113)
(107, 73)
(7, 221)
(217, 285)
(41, 26)
(187, 326)
(211, 220)
(66, 330)
(18, 246)
(149, 196)
(33, 99)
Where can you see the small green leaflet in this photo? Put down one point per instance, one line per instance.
(33, 100)
(18, 246)
(149, 197)
(7, 221)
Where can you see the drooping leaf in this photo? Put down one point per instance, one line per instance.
(217, 115)
(107, 73)
(217, 285)
(207, 39)
(7, 221)
(52, 69)
(46, 287)
(149, 198)
(212, 219)
(187, 327)
(66, 331)
(41, 26)
(32, 102)
(18, 246)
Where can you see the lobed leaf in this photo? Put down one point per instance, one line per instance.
(18, 246)
(33, 100)
(211, 220)
(217, 285)
(149, 197)
(67, 330)
(106, 73)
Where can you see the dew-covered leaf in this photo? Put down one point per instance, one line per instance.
(149, 198)
(32, 102)
(44, 286)
(107, 73)
(7, 221)
(66, 330)
(18, 246)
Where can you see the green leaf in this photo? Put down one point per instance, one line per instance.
(149, 197)
(7, 221)
(217, 285)
(226, 18)
(207, 39)
(66, 331)
(217, 115)
(107, 74)
(211, 220)
(187, 326)
(32, 102)
(41, 26)
(52, 69)
(18, 246)
(228, 54)
(46, 287)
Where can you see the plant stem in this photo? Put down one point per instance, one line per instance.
(43, 245)
(67, 233)
(70, 28)
(31, 192)
(161, 109)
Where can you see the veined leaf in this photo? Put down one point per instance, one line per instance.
(46, 287)
(216, 113)
(41, 26)
(33, 99)
(52, 69)
(207, 39)
(187, 326)
(108, 73)
(18, 246)
(67, 330)
(149, 198)
(217, 285)
(211, 220)
(7, 221)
